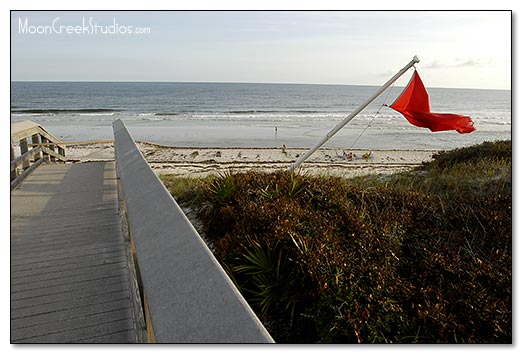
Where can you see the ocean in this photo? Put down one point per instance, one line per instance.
(252, 115)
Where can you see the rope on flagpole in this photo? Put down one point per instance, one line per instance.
(374, 116)
(366, 128)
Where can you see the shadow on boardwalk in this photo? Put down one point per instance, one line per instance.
(69, 261)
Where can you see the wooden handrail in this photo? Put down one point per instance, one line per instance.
(44, 146)
(25, 129)
(71, 143)
(22, 158)
(187, 296)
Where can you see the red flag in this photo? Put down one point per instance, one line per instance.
(414, 105)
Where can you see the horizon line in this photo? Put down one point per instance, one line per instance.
(246, 82)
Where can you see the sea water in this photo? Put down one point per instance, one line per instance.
(252, 115)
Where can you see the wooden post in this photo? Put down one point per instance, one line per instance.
(52, 147)
(24, 147)
(36, 140)
(45, 155)
(13, 172)
(61, 151)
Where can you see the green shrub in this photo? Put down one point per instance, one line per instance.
(420, 257)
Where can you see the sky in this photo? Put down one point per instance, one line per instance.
(456, 49)
(465, 49)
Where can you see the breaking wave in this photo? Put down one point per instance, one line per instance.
(65, 111)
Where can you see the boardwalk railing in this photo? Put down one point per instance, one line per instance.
(44, 147)
(187, 296)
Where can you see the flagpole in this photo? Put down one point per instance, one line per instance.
(353, 114)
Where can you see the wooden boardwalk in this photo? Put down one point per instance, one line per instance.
(70, 277)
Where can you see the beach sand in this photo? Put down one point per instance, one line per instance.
(200, 162)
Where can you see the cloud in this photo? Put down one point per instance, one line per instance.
(469, 62)
(436, 65)
(458, 63)
(472, 63)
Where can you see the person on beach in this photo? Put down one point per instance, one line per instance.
(347, 156)
(284, 149)
(368, 155)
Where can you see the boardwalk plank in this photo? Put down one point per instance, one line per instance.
(120, 337)
(52, 280)
(68, 298)
(30, 249)
(63, 261)
(71, 335)
(71, 303)
(69, 271)
(67, 288)
(17, 259)
(66, 267)
(57, 319)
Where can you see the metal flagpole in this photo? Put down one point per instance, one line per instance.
(353, 114)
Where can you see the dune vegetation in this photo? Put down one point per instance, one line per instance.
(418, 257)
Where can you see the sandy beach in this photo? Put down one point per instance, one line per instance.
(200, 162)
